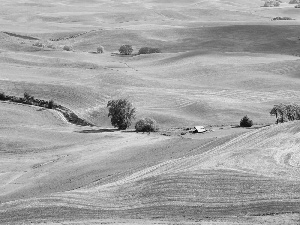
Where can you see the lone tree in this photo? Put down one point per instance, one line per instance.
(246, 122)
(126, 49)
(100, 49)
(121, 112)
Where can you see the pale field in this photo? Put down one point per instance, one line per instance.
(221, 60)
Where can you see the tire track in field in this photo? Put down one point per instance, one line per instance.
(251, 169)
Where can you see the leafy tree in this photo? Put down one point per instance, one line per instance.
(100, 49)
(121, 112)
(286, 113)
(246, 122)
(2, 96)
(29, 99)
(67, 48)
(146, 125)
(126, 49)
(50, 104)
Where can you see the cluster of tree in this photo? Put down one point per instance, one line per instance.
(127, 50)
(294, 2)
(272, 3)
(122, 113)
(285, 112)
(148, 50)
(124, 49)
(28, 100)
(282, 18)
(38, 44)
(43, 45)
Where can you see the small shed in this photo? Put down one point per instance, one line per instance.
(199, 129)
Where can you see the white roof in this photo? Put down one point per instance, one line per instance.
(199, 127)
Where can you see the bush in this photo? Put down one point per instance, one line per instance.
(50, 46)
(50, 104)
(148, 50)
(146, 125)
(272, 3)
(100, 49)
(29, 99)
(126, 49)
(121, 113)
(294, 2)
(246, 122)
(2, 96)
(67, 48)
(282, 18)
(38, 44)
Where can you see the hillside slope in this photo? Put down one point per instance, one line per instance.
(256, 173)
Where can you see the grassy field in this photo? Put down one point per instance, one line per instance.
(220, 61)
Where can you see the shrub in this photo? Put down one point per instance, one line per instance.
(282, 18)
(50, 104)
(50, 46)
(29, 99)
(67, 48)
(100, 49)
(2, 96)
(121, 112)
(146, 125)
(272, 3)
(38, 44)
(148, 50)
(294, 2)
(246, 122)
(126, 49)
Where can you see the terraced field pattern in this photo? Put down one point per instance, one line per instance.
(219, 61)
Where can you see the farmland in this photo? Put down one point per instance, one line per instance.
(219, 61)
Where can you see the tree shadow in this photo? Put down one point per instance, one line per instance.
(129, 131)
(96, 131)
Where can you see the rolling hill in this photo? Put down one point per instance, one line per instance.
(220, 61)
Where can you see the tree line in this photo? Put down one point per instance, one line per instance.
(28, 99)
(122, 113)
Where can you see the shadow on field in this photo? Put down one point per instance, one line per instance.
(96, 131)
